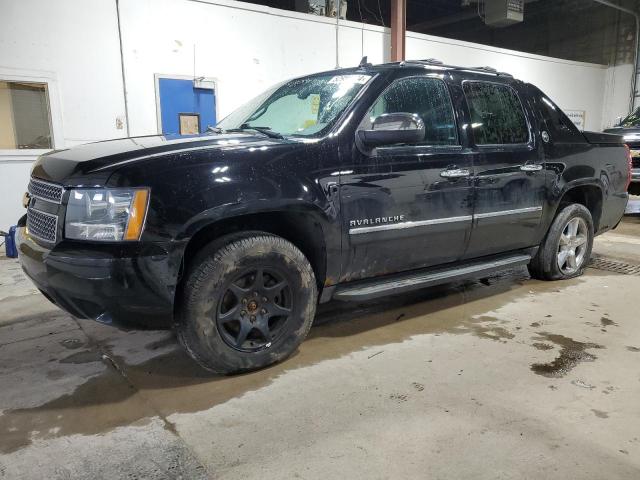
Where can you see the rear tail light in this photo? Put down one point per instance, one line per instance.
(630, 166)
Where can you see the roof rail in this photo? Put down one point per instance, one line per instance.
(428, 61)
(434, 61)
(492, 70)
(486, 69)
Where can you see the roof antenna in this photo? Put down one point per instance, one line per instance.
(364, 63)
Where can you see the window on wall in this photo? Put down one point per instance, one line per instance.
(24, 116)
(496, 114)
(423, 96)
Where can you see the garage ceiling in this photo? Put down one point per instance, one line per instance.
(581, 30)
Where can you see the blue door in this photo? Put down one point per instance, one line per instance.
(184, 109)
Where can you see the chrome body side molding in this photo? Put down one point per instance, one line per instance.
(438, 221)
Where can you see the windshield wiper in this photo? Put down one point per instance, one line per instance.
(264, 130)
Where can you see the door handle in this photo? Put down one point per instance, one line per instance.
(455, 173)
(531, 167)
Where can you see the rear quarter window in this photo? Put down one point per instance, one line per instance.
(497, 116)
(560, 127)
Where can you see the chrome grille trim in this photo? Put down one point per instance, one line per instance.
(49, 192)
(42, 225)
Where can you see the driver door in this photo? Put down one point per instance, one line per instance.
(407, 206)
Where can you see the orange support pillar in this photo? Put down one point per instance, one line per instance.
(398, 29)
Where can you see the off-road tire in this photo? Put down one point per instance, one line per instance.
(206, 284)
(544, 266)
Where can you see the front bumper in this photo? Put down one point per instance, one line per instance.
(122, 284)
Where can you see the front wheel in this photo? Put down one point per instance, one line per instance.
(566, 249)
(248, 302)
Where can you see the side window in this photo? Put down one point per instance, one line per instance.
(426, 97)
(496, 114)
(560, 127)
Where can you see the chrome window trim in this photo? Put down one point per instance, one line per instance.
(405, 225)
(57, 185)
(508, 212)
(46, 214)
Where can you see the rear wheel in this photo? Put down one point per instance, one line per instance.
(248, 303)
(566, 249)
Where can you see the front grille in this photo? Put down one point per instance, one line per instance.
(42, 225)
(45, 190)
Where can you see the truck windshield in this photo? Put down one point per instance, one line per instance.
(305, 107)
(632, 120)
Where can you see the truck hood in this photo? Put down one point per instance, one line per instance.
(92, 163)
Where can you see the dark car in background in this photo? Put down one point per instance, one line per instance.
(629, 128)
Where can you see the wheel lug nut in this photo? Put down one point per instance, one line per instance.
(253, 318)
(255, 294)
(243, 313)
(244, 301)
(264, 299)
(263, 311)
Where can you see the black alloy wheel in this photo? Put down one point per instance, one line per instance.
(254, 309)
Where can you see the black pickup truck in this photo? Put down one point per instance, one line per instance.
(348, 184)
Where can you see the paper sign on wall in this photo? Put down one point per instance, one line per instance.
(189, 123)
(578, 117)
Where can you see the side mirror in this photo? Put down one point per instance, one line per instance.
(390, 128)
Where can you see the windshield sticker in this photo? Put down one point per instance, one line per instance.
(315, 104)
(361, 79)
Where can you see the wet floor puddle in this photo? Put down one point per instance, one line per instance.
(170, 382)
(570, 355)
(607, 322)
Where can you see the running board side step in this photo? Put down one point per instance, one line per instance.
(368, 289)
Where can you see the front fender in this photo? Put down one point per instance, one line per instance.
(320, 227)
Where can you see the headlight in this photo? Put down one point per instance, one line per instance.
(108, 215)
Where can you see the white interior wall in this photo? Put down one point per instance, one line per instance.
(73, 46)
(246, 50)
(246, 47)
(617, 94)
(238, 47)
(76, 41)
(572, 85)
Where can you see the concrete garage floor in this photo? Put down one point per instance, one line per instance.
(504, 378)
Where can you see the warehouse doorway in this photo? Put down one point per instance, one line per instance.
(185, 105)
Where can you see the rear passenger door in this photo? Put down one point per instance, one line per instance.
(407, 206)
(509, 187)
